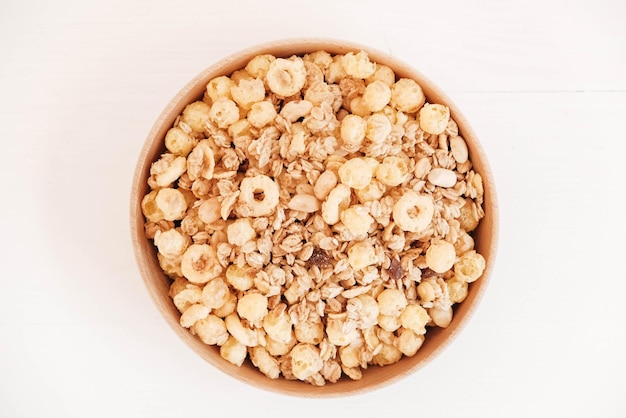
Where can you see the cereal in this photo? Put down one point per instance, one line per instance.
(433, 118)
(286, 77)
(179, 142)
(211, 330)
(440, 256)
(469, 267)
(199, 263)
(315, 216)
(196, 115)
(407, 95)
(413, 212)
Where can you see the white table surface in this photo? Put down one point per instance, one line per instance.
(544, 85)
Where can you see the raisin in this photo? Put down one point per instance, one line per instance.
(426, 273)
(395, 270)
(320, 258)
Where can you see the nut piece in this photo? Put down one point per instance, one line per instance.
(324, 184)
(338, 199)
(304, 203)
(458, 147)
(442, 177)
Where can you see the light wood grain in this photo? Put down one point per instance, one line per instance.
(157, 283)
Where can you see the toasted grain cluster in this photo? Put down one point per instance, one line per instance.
(315, 215)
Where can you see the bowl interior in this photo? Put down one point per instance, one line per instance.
(158, 284)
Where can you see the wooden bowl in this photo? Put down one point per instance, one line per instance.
(157, 283)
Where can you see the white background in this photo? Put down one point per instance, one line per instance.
(544, 86)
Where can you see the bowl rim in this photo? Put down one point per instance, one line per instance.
(286, 47)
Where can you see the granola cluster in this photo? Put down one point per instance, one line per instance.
(315, 215)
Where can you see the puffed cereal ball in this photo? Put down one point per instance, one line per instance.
(170, 243)
(277, 324)
(266, 364)
(150, 209)
(184, 294)
(358, 65)
(215, 293)
(457, 290)
(369, 311)
(391, 302)
(433, 118)
(228, 308)
(224, 112)
(350, 355)
(240, 278)
(407, 96)
(261, 114)
(253, 307)
(219, 88)
(260, 65)
(384, 74)
(199, 263)
(178, 142)
(338, 334)
(305, 361)
(378, 128)
(171, 203)
(309, 332)
(469, 267)
(353, 129)
(361, 255)
(440, 256)
(240, 231)
(211, 330)
(389, 323)
(409, 342)
(388, 355)
(247, 92)
(286, 77)
(194, 313)
(377, 95)
(355, 173)
(441, 316)
(233, 351)
(357, 219)
(415, 318)
(196, 115)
